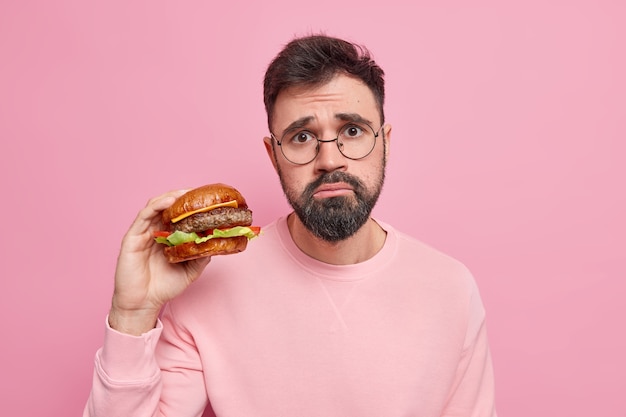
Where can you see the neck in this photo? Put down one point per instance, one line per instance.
(361, 246)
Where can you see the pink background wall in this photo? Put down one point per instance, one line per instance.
(508, 153)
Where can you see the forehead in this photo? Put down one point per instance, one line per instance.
(320, 104)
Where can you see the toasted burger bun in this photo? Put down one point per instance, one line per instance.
(191, 250)
(201, 197)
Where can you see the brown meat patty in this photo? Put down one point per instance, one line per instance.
(222, 218)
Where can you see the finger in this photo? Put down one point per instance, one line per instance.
(196, 266)
(164, 200)
(149, 216)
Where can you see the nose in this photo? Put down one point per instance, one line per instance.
(328, 157)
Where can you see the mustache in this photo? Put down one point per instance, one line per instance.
(333, 177)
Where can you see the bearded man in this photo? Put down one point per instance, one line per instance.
(332, 313)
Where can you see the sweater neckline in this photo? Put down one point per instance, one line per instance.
(351, 272)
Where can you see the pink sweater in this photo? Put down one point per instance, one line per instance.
(271, 332)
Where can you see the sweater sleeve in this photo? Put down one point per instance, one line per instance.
(473, 392)
(127, 378)
(157, 374)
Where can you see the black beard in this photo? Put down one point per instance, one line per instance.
(335, 219)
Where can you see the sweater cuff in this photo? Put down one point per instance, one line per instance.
(125, 357)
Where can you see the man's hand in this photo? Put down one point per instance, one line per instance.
(144, 279)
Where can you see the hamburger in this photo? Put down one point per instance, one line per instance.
(210, 220)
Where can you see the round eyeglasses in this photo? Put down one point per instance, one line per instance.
(355, 140)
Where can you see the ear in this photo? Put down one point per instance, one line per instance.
(269, 148)
(387, 138)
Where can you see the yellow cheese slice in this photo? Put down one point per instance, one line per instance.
(232, 203)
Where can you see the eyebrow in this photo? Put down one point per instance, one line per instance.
(297, 124)
(352, 117)
(346, 117)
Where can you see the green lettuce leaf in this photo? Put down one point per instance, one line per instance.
(179, 237)
(232, 232)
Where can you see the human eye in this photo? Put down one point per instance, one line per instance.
(352, 131)
(302, 138)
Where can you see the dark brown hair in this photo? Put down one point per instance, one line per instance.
(314, 60)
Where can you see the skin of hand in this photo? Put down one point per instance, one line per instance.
(144, 279)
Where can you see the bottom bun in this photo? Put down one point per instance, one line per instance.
(217, 246)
